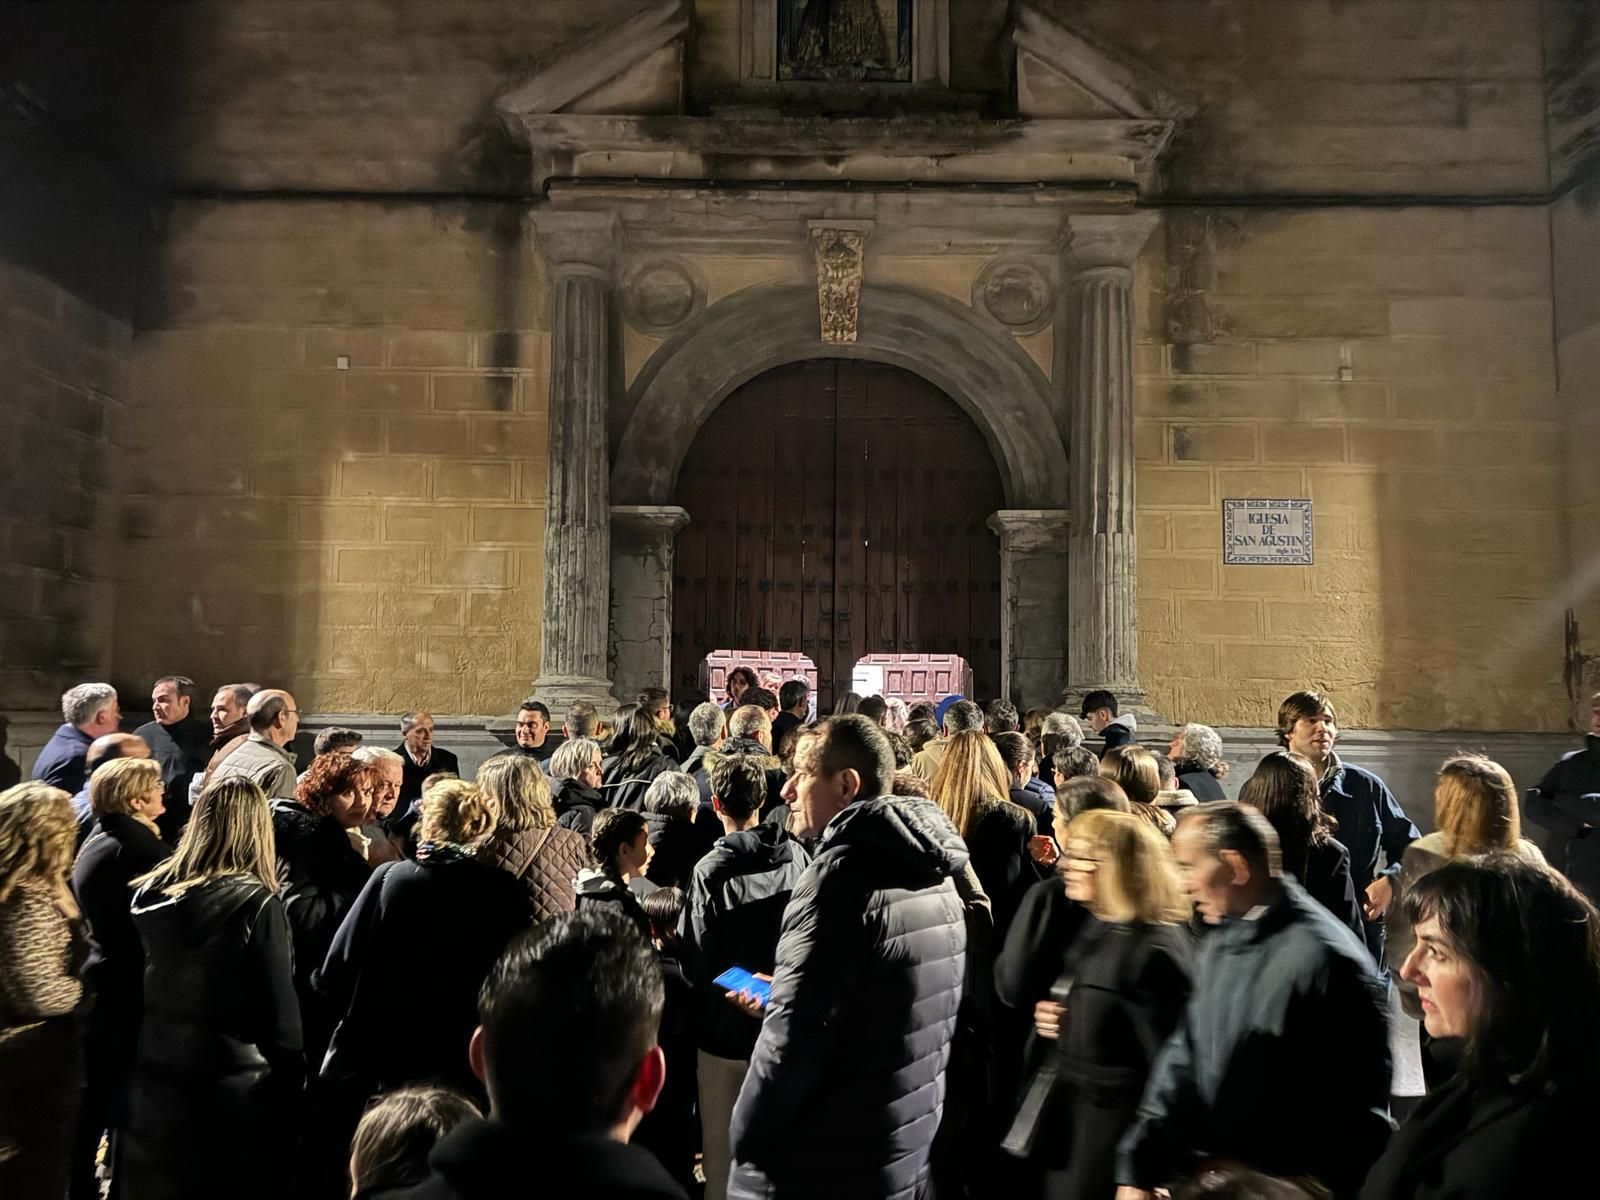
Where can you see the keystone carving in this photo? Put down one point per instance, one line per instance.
(840, 249)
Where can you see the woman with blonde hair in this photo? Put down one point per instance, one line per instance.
(1128, 974)
(1135, 770)
(405, 967)
(126, 796)
(972, 788)
(1475, 811)
(527, 842)
(42, 946)
(219, 1069)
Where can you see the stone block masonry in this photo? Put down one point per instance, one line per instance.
(345, 494)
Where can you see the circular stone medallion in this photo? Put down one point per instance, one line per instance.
(1014, 293)
(659, 293)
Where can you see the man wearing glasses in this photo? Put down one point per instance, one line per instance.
(263, 756)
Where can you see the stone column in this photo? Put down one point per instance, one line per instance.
(1103, 635)
(580, 249)
(641, 595)
(1033, 598)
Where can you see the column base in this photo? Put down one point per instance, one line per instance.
(558, 692)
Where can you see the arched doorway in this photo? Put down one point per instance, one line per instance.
(838, 508)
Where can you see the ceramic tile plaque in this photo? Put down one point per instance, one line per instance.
(1266, 532)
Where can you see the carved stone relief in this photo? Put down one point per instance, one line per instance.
(840, 251)
(1014, 293)
(660, 293)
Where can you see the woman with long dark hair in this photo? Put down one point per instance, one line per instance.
(1284, 790)
(634, 758)
(1506, 966)
(217, 1083)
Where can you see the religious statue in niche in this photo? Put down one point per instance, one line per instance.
(852, 40)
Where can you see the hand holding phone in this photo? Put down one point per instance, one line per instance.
(749, 991)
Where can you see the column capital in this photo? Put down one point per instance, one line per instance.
(1037, 529)
(648, 521)
(577, 242)
(1106, 240)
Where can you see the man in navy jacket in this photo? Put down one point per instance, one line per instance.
(1369, 816)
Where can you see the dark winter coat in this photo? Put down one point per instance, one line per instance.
(1042, 810)
(181, 749)
(695, 768)
(998, 840)
(1288, 1022)
(624, 785)
(1325, 875)
(546, 861)
(1128, 986)
(1119, 732)
(119, 850)
(1370, 819)
(678, 845)
(474, 1162)
(846, 1083)
(61, 762)
(1567, 803)
(1466, 1143)
(405, 968)
(576, 806)
(1205, 786)
(1035, 947)
(594, 886)
(440, 761)
(219, 1072)
(731, 918)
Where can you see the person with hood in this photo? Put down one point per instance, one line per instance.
(1099, 712)
(737, 895)
(1567, 803)
(620, 844)
(845, 1088)
(1287, 1024)
(1196, 753)
(675, 844)
(750, 733)
(529, 842)
(567, 1048)
(575, 771)
(216, 1092)
(634, 758)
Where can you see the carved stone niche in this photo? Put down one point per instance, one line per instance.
(658, 294)
(1016, 294)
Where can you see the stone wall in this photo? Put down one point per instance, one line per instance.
(371, 533)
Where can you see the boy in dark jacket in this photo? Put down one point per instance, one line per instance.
(566, 1046)
(1567, 803)
(736, 900)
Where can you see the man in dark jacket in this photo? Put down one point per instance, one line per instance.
(794, 699)
(750, 732)
(735, 906)
(1567, 803)
(566, 1045)
(180, 742)
(846, 1083)
(420, 757)
(708, 726)
(88, 711)
(1281, 1059)
(1016, 751)
(1370, 818)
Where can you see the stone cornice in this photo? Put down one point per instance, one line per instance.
(1044, 529)
(645, 521)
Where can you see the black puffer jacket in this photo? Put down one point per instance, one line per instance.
(217, 1083)
(576, 806)
(731, 918)
(1197, 779)
(846, 1084)
(678, 845)
(624, 785)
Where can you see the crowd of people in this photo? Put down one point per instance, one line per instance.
(737, 950)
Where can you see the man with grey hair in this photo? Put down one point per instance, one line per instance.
(961, 717)
(750, 732)
(88, 711)
(708, 725)
(389, 825)
(262, 757)
(420, 757)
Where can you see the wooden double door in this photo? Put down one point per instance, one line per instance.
(838, 509)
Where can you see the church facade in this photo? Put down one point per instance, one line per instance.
(457, 352)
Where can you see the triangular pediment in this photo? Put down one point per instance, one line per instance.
(1063, 73)
(633, 66)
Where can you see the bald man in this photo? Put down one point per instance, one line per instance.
(103, 750)
(263, 756)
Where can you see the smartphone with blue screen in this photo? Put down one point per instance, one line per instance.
(737, 979)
